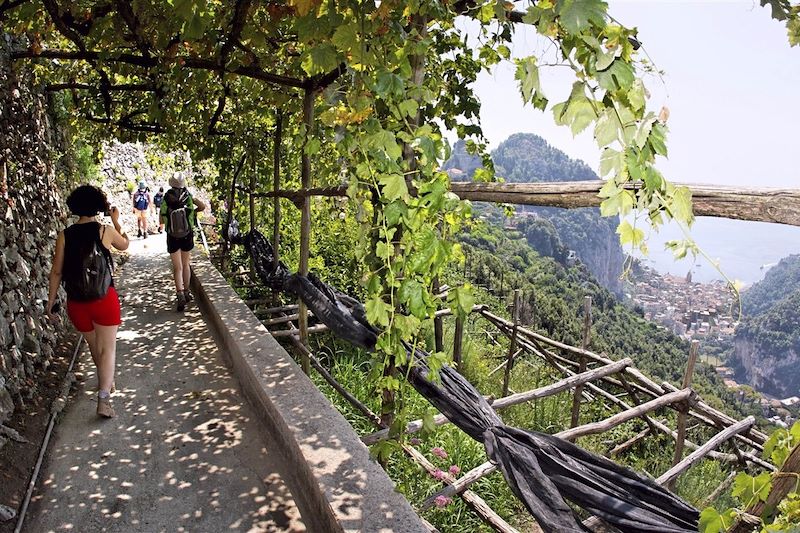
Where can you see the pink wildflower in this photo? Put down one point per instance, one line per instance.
(442, 501)
(454, 469)
(415, 441)
(439, 452)
(438, 474)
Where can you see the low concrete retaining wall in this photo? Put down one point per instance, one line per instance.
(335, 483)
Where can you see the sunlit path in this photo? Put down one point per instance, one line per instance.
(184, 453)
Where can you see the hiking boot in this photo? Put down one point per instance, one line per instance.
(104, 408)
(139, 233)
(188, 296)
(181, 301)
(145, 234)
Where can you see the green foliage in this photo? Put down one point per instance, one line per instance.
(780, 444)
(785, 10)
(770, 327)
(749, 490)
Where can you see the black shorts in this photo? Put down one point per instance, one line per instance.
(183, 243)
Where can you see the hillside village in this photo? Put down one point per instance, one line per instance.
(689, 309)
(704, 312)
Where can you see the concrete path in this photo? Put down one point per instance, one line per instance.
(185, 452)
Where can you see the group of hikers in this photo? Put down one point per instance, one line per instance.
(82, 262)
(144, 204)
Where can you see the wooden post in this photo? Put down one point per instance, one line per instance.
(513, 347)
(231, 201)
(276, 185)
(438, 328)
(305, 218)
(687, 380)
(458, 338)
(783, 482)
(587, 327)
(252, 207)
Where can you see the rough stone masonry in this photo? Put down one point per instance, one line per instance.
(31, 214)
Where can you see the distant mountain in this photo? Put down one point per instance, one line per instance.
(767, 341)
(528, 158)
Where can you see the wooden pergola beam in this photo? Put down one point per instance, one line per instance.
(763, 205)
(781, 206)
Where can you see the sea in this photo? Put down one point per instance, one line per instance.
(744, 250)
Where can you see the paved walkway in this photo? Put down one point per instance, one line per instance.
(185, 452)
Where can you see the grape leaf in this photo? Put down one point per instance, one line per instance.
(712, 521)
(607, 128)
(681, 206)
(346, 37)
(377, 311)
(412, 294)
(528, 75)
(749, 489)
(461, 299)
(619, 75)
(619, 204)
(611, 161)
(578, 15)
(322, 58)
(394, 186)
(629, 235)
(577, 112)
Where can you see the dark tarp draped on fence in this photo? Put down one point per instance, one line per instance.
(541, 469)
(345, 316)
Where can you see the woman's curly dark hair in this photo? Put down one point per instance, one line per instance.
(87, 201)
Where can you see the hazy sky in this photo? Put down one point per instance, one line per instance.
(731, 82)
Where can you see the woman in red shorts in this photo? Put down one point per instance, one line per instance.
(99, 318)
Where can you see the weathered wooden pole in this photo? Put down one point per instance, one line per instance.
(668, 477)
(305, 218)
(762, 205)
(587, 327)
(231, 201)
(438, 326)
(252, 208)
(784, 481)
(276, 185)
(682, 414)
(513, 347)
(458, 338)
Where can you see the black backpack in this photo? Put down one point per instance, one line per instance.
(179, 215)
(93, 277)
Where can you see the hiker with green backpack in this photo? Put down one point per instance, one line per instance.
(179, 216)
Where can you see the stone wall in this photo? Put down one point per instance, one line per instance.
(31, 214)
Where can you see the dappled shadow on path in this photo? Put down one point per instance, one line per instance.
(185, 452)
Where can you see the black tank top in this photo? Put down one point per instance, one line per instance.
(78, 241)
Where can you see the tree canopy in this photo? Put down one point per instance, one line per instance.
(381, 79)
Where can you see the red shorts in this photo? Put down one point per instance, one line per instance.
(103, 312)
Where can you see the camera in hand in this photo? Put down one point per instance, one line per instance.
(107, 212)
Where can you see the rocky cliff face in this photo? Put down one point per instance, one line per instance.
(777, 374)
(528, 158)
(32, 214)
(767, 340)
